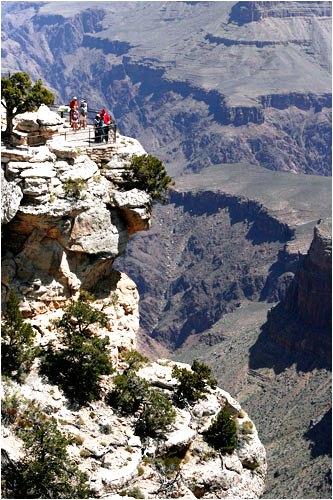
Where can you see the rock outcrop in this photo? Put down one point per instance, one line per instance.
(248, 12)
(35, 128)
(67, 219)
(70, 218)
(302, 321)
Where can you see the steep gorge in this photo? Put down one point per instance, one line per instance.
(194, 105)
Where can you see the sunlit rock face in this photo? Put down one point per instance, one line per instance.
(66, 221)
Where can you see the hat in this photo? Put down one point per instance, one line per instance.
(74, 97)
(98, 115)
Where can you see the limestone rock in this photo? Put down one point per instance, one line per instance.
(11, 196)
(68, 243)
(79, 171)
(42, 154)
(63, 150)
(16, 154)
(27, 122)
(39, 170)
(31, 121)
(98, 230)
(48, 118)
(135, 207)
(131, 199)
(35, 186)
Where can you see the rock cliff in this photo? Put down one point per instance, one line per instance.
(67, 218)
(70, 217)
(302, 321)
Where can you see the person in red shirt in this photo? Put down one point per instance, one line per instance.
(74, 105)
(107, 121)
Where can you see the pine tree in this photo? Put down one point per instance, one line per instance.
(78, 365)
(46, 470)
(17, 341)
(148, 173)
(193, 384)
(19, 95)
(222, 433)
(156, 415)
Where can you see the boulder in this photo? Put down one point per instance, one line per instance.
(40, 121)
(81, 170)
(180, 439)
(42, 154)
(48, 118)
(35, 187)
(26, 122)
(62, 150)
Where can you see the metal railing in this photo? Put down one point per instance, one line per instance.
(97, 135)
(88, 135)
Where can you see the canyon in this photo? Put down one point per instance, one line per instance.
(235, 98)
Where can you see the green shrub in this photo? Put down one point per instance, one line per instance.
(129, 392)
(140, 470)
(77, 366)
(17, 341)
(132, 394)
(222, 433)
(192, 384)
(156, 415)
(134, 492)
(10, 408)
(168, 465)
(46, 471)
(247, 427)
(74, 188)
(134, 359)
(148, 173)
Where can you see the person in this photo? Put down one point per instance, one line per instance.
(98, 122)
(106, 126)
(73, 106)
(75, 119)
(83, 113)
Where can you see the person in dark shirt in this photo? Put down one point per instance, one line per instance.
(98, 125)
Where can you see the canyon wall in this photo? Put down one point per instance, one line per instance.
(201, 102)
